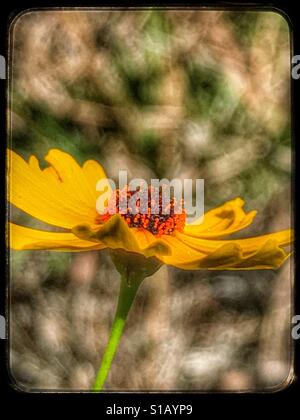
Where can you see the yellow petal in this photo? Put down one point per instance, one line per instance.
(221, 221)
(21, 238)
(230, 257)
(63, 194)
(93, 172)
(269, 256)
(116, 234)
(81, 181)
(249, 245)
(180, 252)
(263, 252)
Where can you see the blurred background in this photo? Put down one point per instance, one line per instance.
(175, 94)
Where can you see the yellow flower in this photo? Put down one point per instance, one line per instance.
(64, 195)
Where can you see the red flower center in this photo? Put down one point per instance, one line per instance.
(163, 221)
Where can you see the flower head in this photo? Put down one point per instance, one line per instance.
(64, 195)
(164, 222)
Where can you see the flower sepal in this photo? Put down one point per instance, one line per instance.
(133, 266)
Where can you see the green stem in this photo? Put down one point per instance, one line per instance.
(126, 298)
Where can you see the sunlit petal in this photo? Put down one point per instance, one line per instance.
(263, 252)
(22, 238)
(61, 195)
(221, 221)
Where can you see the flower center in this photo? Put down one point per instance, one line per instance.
(156, 217)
